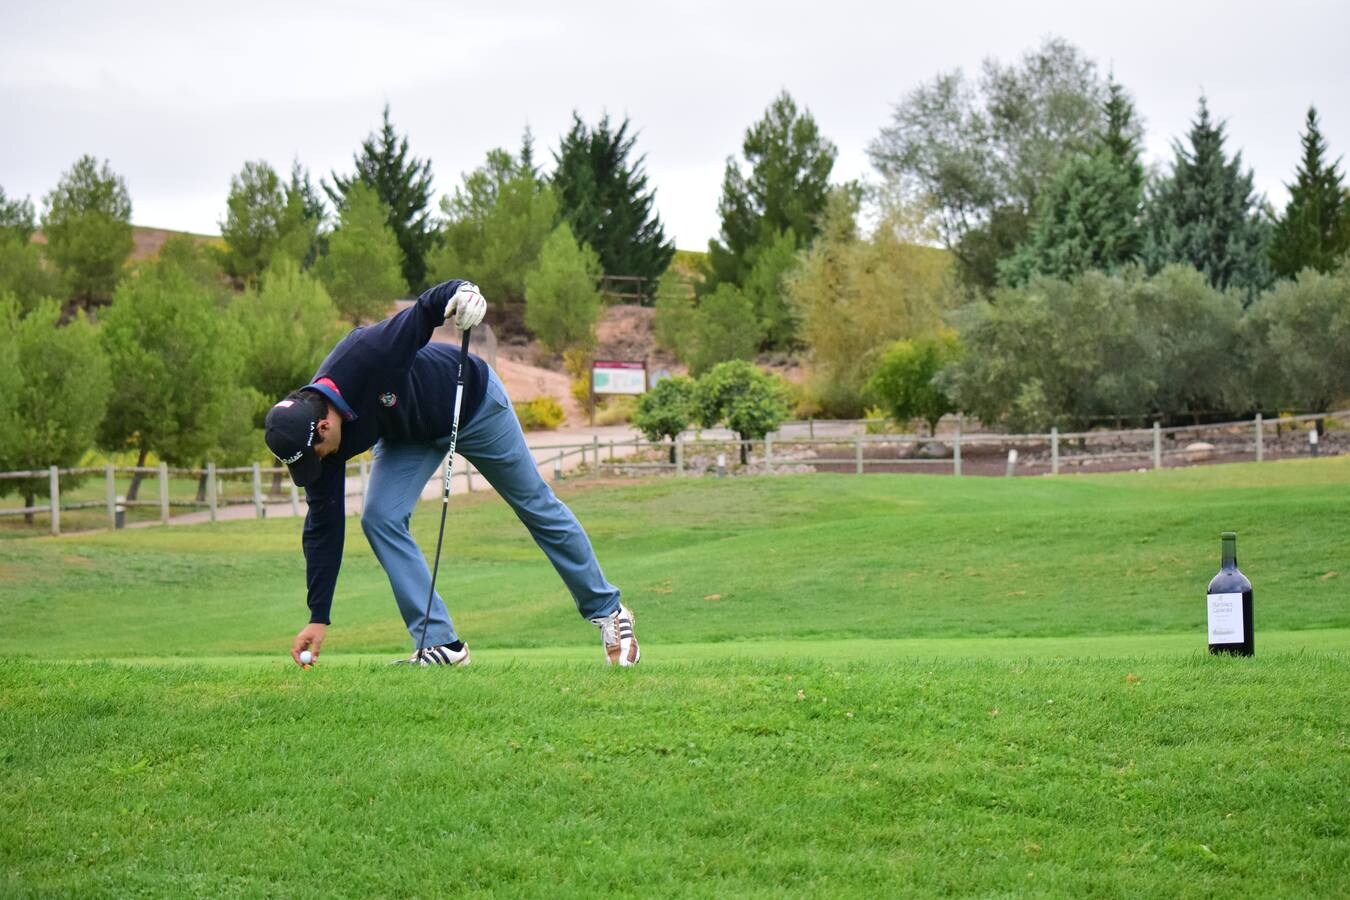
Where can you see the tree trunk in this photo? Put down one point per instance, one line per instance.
(745, 451)
(28, 500)
(137, 477)
(276, 483)
(201, 486)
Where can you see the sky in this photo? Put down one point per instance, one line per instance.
(177, 96)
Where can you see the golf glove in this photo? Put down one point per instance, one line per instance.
(467, 306)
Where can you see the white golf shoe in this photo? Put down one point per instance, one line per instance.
(616, 633)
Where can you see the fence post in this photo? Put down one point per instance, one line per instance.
(257, 492)
(557, 467)
(857, 454)
(811, 427)
(112, 497)
(1012, 462)
(468, 476)
(956, 446)
(361, 469)
(1157, 445)
(1054, 449)
(595, 451)
(679, 454)
(54, 488)
(211, 489)
(295, 499)
(1260, 439)
(164, 493)
(768, 453)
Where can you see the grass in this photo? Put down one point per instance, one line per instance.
(850, 686)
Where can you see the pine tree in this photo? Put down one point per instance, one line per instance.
(785, 189)
(604, 197)
(403, 184)
(87, 221)
(362, 268)
(1204, 214)
(253, 218)
(1088, 218)
(1314, 231)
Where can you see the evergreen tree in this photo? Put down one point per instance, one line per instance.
(298, 233)
(726, 329)
(174, 369)
(602, 193)
(64, 384)
(255, 209)
(496, 224)
(785, 189)
(1314, 231)
(1088, 218)
(1204, 214)
(87, 221)
(561, 299)
(766, 288)
(362, 267)
(22, 272)
(403, 184)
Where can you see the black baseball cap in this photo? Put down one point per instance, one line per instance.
(290, 430)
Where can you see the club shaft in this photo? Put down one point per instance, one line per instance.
(445, 492)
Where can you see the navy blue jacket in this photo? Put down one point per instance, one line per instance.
(388, 383)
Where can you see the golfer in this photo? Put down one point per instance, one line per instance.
(385, 386)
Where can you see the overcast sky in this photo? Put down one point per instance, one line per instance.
(177, 95)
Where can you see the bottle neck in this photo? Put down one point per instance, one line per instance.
(1229, 553)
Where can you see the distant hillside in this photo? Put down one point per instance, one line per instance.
(147, 241)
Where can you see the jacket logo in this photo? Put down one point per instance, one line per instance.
(389, 399)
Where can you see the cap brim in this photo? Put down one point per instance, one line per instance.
(306, 470)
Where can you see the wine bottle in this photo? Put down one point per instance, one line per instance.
(1230, 605)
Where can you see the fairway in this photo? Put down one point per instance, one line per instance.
(895, 685)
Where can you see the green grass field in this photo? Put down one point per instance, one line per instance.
(886, 685)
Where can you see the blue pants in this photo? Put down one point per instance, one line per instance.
(494, 443)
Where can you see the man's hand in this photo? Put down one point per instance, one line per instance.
(467, 306)
(310, 638)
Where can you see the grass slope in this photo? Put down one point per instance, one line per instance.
(818, 557)
(850, 687)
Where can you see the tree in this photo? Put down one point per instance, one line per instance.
(981, 154)
(1205, 215)
(904, 378)
(735, 393)
(298, 231)
(1301, 330)
(561, 300)
(675, 318)
(854, 296)
(174, 369)
(1088, 217)
(362, 267)
(63, 390)
(1314, 232)
(253, 219)
(87, 221)
(1054, 353)
(287, 323)
(496, 224)
(403, 184)
(765, 287)
(726, 328)
(11, 382)
(22, 272)
(666, 410)
(785, 189)
(603, 194)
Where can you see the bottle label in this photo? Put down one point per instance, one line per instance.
(1225, 619)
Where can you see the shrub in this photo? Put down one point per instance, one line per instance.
(539, 414)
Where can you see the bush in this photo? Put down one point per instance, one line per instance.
(561, 299)
(665, 410)
(749, 401)
(615, 410)
(903, 382)
(539, 414)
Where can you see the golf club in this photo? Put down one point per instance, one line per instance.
(445, 493)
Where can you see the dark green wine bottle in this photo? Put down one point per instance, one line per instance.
(1230, 605)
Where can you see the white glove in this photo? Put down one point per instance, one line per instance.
(467, 306)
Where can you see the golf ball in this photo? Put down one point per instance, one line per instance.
(306, 657)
